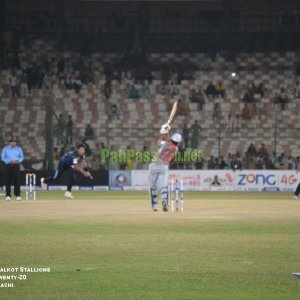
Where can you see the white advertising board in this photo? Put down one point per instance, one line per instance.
(247, 180)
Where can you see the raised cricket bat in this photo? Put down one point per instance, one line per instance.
(173, 112)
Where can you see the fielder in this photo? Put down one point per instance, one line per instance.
(158, 171)
(71, 161)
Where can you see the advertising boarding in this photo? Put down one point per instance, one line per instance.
(226, 180)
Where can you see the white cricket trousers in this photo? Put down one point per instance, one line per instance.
(158, 179)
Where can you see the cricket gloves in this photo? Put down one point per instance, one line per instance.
(165, 128)
(163, 131)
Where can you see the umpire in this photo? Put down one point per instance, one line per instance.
(12, 156)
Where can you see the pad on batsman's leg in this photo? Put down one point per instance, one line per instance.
(165, 198)
(154, 199)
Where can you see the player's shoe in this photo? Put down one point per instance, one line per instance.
(155, 209)
(295, 197)
(165, 205)
(43, 184)
(7, 198)
(297, 275)
(19, 198)
(68, 195)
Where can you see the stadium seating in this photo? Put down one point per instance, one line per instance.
(141, 118)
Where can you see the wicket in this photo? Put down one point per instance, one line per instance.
(175, 195)
(30, 186)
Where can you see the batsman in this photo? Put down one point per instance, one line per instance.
(158, 170)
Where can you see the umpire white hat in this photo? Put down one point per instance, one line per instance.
(176, 137)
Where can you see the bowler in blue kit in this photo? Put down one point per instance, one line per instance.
(71, 161)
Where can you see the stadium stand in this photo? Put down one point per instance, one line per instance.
(86, 56)
(141, 118)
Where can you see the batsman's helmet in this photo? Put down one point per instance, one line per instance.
(176, 138)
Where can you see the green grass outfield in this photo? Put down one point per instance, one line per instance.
(224, 246)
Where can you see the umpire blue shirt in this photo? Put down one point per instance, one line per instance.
(12, 153)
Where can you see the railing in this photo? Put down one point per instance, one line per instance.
(123, 148)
